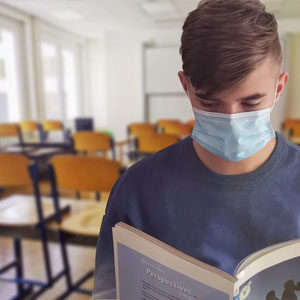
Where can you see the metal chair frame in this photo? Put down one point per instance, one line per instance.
(25, 287)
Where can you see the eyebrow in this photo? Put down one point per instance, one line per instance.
(248, 98)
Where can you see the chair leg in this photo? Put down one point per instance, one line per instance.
(65, 259)
(19, 267)
(98, 196)
(47, 258)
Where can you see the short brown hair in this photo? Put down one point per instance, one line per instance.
(223, 41)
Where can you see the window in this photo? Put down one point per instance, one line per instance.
(10, 72)
(60, 81)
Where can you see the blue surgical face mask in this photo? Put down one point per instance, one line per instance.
(233, 137)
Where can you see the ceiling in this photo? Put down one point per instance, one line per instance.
(91, 18)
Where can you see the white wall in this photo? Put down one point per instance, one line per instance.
(293, 96)
(170, 107)
(281, 110)
(97, 83)
(124, 81)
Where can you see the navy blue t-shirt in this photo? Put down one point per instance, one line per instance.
(218, 219)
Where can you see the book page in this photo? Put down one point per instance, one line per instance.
(254, 256)
(147, 271)
(275, 275)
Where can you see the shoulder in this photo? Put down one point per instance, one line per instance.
(291, 148)
(290, 154)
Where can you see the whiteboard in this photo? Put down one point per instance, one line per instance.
(161, 70)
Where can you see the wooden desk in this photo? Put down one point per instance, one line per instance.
(18, 219)
(38, 151)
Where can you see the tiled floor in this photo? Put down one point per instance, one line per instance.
(81, 260)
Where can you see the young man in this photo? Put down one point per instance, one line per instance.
(231, 188)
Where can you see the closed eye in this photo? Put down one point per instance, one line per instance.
(208, 103)
(248, 104)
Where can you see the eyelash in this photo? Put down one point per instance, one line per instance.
(205, 104)
(251, 104)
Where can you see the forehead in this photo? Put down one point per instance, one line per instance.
(262, 80)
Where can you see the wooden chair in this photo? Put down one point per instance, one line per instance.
(30, 131)
(292, 127)
(50, 126)
(179, 129)
(29, 126)
(79, 173)
(83, 174)
(150, 144)
(138, 129)
(91, 142)
(11, 131)
(163, 124)
(14, 212)
(134, 131)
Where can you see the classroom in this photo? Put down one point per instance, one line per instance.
(94, 98)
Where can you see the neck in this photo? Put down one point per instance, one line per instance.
(225, 167)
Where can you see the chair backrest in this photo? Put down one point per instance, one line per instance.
(177, 129)
(52, 125)
(293, 126)
(30, 131)
(92, 141)
(156, 142)
(80, 173)
(138, 129)
(29, 126)
(10, 131)
(162, 124)
(14, 170)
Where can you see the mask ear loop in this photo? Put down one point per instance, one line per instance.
(274, 101)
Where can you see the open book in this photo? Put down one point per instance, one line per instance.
(148, 269)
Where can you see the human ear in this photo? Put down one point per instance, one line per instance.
(184, 81)
(282, 81)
